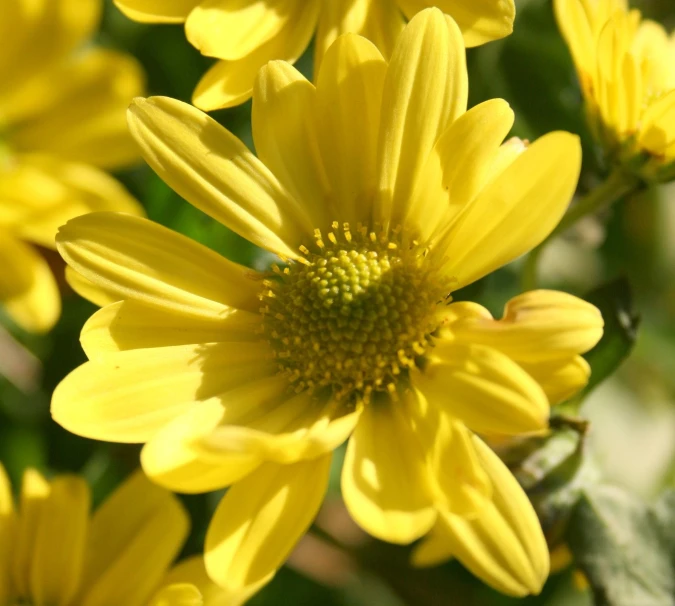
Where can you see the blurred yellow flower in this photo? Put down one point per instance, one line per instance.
(53, 551)
(381, 194)
(246, 34)
(626, 67)
(62, 118)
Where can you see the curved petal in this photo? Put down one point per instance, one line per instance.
(560, 379)
(28, 290)
(88, 290)
(516, 211)
(178, 594)
(537, 326)
(137, 259)
(215, 171)
(7, 535)
(481, 21)
(483, 388)
(385, 483)
(131, 325)
(657, 131)
(504, 546)
(171, 461)
(349, 96)
(260, 519)
(285, 135)
(229, 83)
(61, 533)
(459, 165)
(129, 396)
(84, 120)
(39, 193)
(156, 11)
(425, 90)
(433, 549)
(135, 535)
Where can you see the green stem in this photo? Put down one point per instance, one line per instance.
(615, 187)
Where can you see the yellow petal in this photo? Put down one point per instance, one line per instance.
(385, 483)
(233, 29)
(28, 290)
(135, 535)
(260, 519)
(8, 539)
(130, 395)
(576, 29)
(657, 131)
(178, 594)
(137, 259)
(58, 556)
(516, 211)
(84, 120)
(171, 461)
(192, 570)
(433, 549)
(131, 325)
(34, 495)
(157, 11)
(483, 388)
(504, 546)
(459, 165)
(425, 90)
(229, 83)
(39, 193)
(285, 137)
(349, 97)
(88, 290)
(537, 326)
(560, 379)
(215, 171)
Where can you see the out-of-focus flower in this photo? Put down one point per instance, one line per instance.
(626, 68)
(53, 551)
(382, 194)
(62, 119)
(246, 34)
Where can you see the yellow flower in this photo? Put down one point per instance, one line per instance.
(53, 551)
(381, 194)
(62, 118)
(626, 67)
(246, 34)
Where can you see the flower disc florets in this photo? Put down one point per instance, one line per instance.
(353, 315)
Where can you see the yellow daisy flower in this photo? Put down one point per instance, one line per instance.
(626, 67)
(246, 34)
(62, 119)
(381, 194)
(53, 551)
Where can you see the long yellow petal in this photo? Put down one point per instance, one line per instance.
(178, 594)
(260, 519)
(143, 261)
(215, 171)
(135, 535)
(130, 395)
(88, 290)
(516, 211)
(433, 549)
(284, 125)
(504, 546)
(8, 539)
(425, 90)
(483, 388)
(28, 290)
(385, 483)
(349, 97)
(560, 379)
(131, 325)
(58, 557)
(157, 11)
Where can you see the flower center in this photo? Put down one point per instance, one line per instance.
(353, 315)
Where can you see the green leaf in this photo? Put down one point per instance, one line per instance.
(624, 547)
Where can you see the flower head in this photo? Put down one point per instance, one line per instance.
(626, 67)
(381, 194)
(61, 121)
(246, 34)
(53, 551)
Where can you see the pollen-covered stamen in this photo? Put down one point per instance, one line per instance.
(354, 313)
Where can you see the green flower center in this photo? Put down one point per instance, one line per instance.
(353, 315)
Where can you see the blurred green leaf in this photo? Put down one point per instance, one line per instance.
(620, 544)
